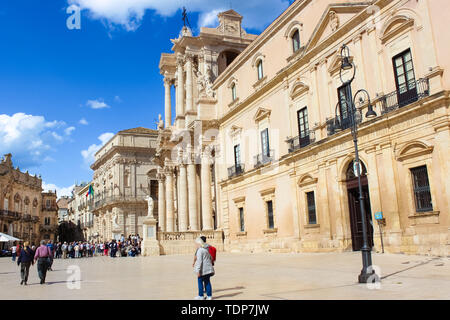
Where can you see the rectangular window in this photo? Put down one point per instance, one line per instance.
(270, 221)
(265, 143)
(260, 70)
(311, 203)
(237, 155)
(233, 92)
(421, 187)
(303, 126)
(6, 205)
(241, 219)
(405, 79)
(48, 204)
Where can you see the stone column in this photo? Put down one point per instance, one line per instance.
(168, 102)
(192, 186)
(180, 87)
(161, 203)
(183, 200)
(189, 87)
(206, 192)
(169, 201)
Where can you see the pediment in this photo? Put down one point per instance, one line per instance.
(335, 63)
(235, 130)
(413, 149)
(394, 26)
(298, 88)
(306, 180)
(334, 17)
(261, 114)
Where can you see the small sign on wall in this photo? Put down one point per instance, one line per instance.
(150, 232)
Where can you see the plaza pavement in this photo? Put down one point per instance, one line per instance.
(238, 276)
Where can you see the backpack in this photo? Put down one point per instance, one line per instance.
(212, 251)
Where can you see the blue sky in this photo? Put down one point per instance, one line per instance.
(63, 93)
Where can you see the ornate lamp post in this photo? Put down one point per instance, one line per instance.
(355, 116)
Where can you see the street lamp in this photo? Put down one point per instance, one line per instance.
(355, 116)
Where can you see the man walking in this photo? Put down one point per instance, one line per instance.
(24, 261)
(42, 257)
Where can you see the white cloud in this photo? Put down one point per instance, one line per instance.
(60, 191)
(97, 104)
(68, 131)
(129, 13)
(89, 153)
(28, 137)
(83, 121)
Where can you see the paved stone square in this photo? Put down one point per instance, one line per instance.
(238, 276)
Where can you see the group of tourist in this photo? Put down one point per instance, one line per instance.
(203, 264)
(29, 255)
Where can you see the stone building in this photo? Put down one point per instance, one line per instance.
(24, 213)
(49, 216)
(123, 177)
(63, 208)
(260, 148)
(84, 212)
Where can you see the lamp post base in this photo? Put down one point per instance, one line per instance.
(368, 277)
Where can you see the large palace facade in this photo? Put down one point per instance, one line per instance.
(124, 176)
(257, 154)
(26, 212)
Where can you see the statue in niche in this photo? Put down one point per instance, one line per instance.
(150, 206)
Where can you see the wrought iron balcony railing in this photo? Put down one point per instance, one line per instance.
(409, 93)
(235, 170)
(261, 159)
(301, 142)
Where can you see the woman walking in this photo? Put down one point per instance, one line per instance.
(204, 269)
(42, 256)
(25, 260)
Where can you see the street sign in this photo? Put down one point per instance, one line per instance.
(379, 215)
(355, 168)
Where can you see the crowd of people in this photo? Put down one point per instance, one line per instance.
(47, 251)
(44, 255)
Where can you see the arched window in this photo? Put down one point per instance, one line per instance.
(260, 70)
(233, 91)
(296, 40)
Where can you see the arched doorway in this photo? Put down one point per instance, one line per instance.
(354, 206)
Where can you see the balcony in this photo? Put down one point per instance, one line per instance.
(27, 217)
(262, 159)
(414, 91)
(235, 170)
(11, 214)
(35, 219)
(300, 142)
(49, 208)
(115, 199)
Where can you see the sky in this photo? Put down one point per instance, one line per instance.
(65, 92)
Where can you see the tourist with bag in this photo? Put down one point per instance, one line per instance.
(204, 269)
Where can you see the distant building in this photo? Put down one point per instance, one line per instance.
(63, 208)
(123, 177)
(25, 211)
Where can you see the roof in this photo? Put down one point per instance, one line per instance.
(140, 130)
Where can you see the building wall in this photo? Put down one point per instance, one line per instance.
(389, 146)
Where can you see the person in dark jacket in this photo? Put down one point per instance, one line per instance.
(25, 261)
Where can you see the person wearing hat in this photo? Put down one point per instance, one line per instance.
(24, 261)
